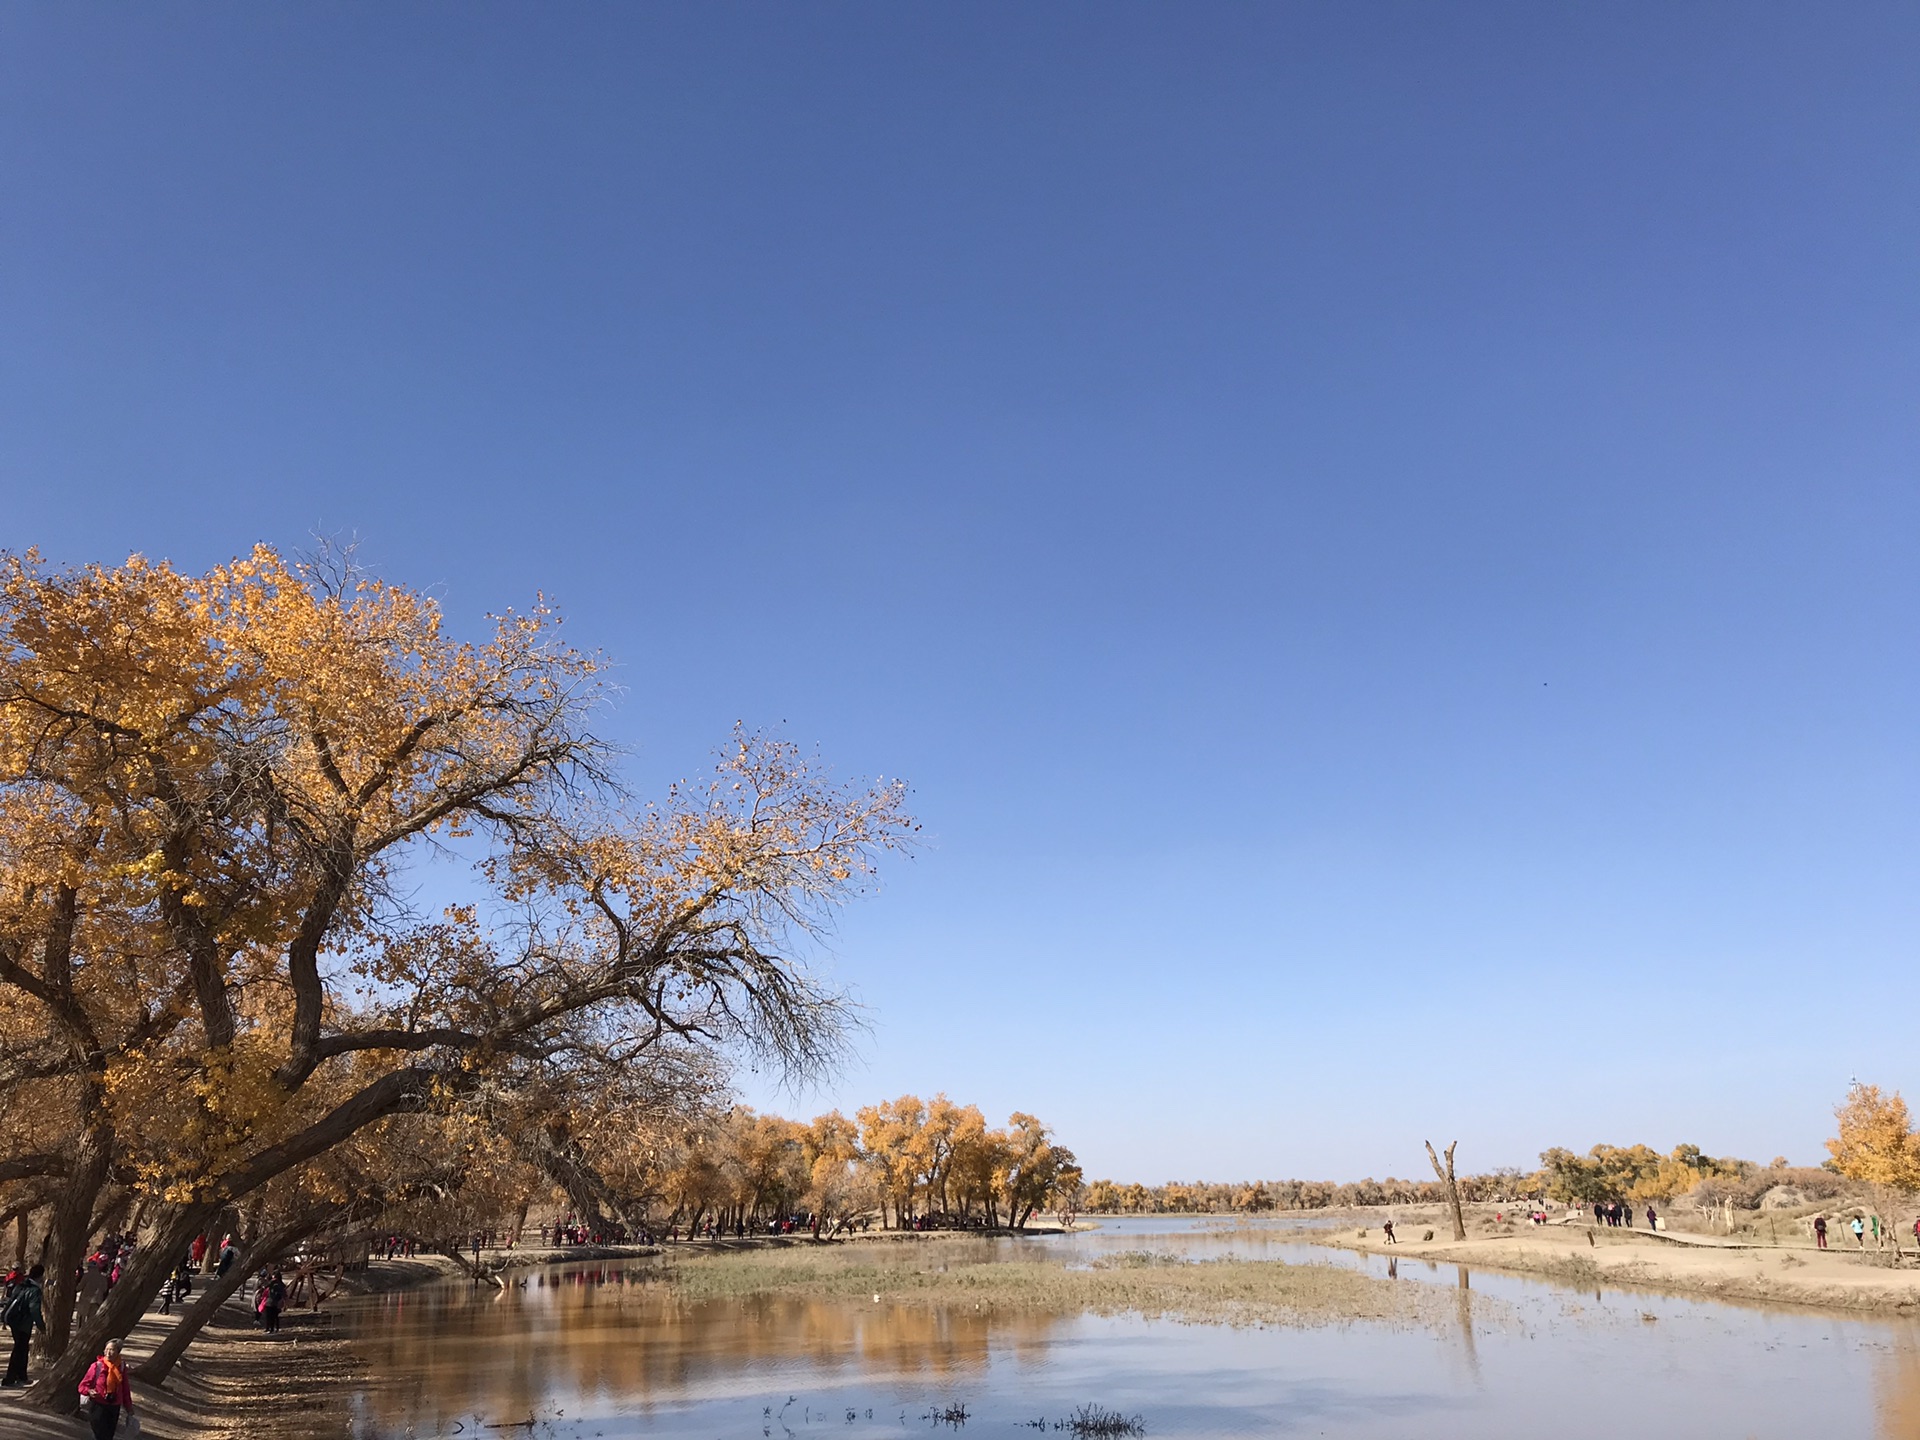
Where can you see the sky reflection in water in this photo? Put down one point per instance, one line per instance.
(598, 1351)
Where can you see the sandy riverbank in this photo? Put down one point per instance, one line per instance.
(232, 1378)
(1677, 1263)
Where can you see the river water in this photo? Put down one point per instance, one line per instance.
(595, 1350)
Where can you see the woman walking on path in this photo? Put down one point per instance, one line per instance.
(105, 1392)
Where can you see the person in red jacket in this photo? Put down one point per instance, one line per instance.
(105, 1390)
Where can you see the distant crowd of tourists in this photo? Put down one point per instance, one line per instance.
(1615, 1214)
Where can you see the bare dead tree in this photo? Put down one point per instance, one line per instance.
(1452, 1187)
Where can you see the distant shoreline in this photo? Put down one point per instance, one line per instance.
(1584, 1256)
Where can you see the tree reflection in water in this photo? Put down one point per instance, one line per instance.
(447, 1353)
(1896, 1386)
(621, 1354)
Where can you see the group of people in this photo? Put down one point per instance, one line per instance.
(1615, 1214)
(1862, 1226)
(105, 1394)
(571, 1232)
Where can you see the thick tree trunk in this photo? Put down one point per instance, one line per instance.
(1452, 1188)
(593, 1199)
(70, 1230)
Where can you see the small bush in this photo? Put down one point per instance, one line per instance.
(1136, 1260)
(1097, 1422)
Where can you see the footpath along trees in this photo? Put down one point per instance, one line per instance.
(211, 788)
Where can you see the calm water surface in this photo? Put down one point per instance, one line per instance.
(595, 1350)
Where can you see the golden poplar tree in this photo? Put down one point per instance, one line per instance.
(1876, 1142)
(212, 789)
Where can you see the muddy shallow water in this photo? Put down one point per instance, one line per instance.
(600, 1350)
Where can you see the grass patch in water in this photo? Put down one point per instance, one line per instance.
(1091, 1422)
(1233, 1291)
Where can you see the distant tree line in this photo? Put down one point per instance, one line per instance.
(1876, 1145)
(1109, 1197)
(904, 1162)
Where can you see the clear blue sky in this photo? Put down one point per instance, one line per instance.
(1384, 536)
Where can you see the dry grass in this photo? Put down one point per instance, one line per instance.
(1239, 1292)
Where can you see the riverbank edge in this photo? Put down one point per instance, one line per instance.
(1842, 1281)
(1681, 1263)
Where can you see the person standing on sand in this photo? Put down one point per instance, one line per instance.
(23, 1316)
(1859, 1232)
(1653, 1220)
(105, 1392)
(1820, 1231)
(1387, 1225)
(273, 1295)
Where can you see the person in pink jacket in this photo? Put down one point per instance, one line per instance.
(105, 1391)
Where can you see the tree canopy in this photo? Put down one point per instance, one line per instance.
(1876, 1142)
(217, 792)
